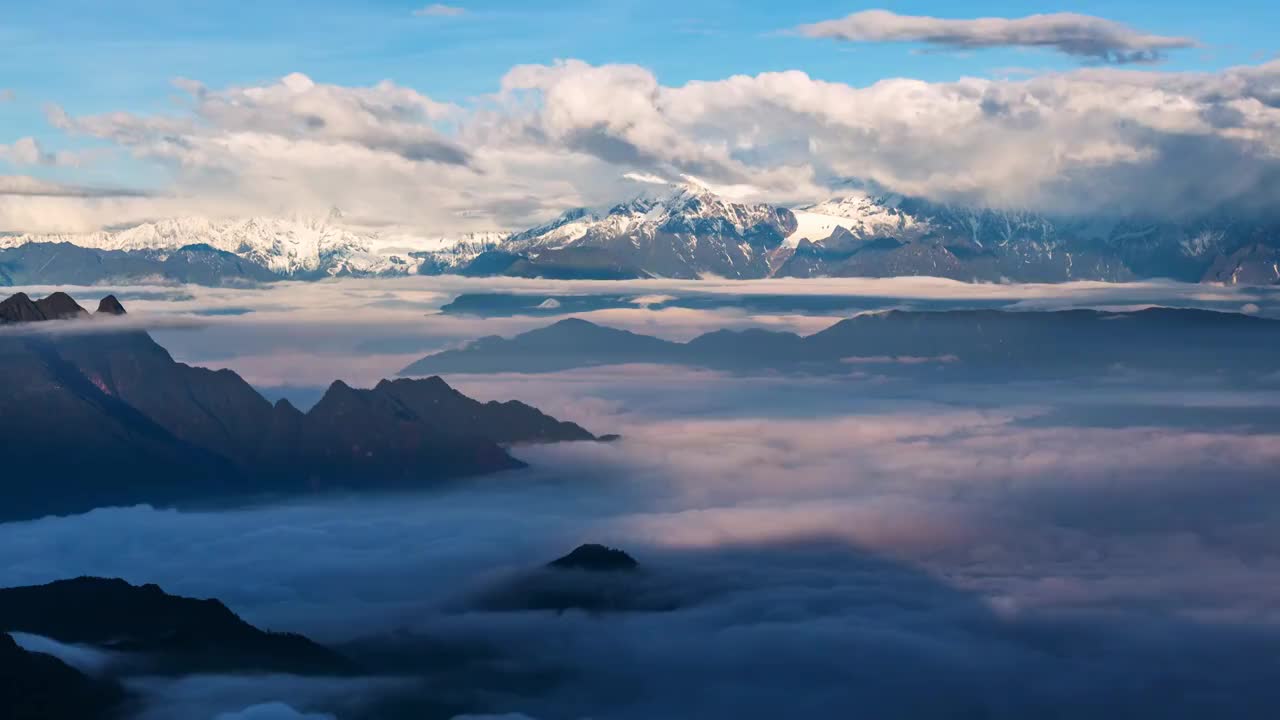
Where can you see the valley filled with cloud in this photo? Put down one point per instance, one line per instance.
(1032, 547)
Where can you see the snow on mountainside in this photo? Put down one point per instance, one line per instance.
(862, 215)
(686, 232)
(688, 208)
(288, 247)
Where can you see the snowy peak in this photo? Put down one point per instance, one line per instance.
(684, 231)
(293, 247)
(687, 209)
(288, 247)
(866, 217)
(696, 209)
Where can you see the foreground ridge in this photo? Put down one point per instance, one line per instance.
(109, 418)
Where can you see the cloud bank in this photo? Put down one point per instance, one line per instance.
(1082, 36)
(825, 563)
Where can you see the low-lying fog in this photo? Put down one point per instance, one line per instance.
(809, 547)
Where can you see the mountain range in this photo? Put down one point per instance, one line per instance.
(212, 252)
(945, 344)
(687, 231)
(94, 412)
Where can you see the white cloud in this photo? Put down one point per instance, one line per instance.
(439, 10)
(29, 151)
(570, 133)
(1074, 34)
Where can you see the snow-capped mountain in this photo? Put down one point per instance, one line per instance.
(687, 232)
(299, 247)
(864, 216)
(870, 236)
(690, 232)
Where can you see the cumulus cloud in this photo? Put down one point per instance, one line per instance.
(384, 119)
(1073, 34)
(440, 10)
(28, 151)
(570, 134)
(1088, 140)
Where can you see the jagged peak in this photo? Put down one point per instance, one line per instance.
(571, 322)
(57, 306)
(593, 557)
(284, 407)
(19, 308)
(434, 380)
(60, 306)
(110, 305)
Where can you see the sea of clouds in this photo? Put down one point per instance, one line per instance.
(810, 547)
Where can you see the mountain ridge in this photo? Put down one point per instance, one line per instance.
(186, 634)
(103, 418)
(946, 343)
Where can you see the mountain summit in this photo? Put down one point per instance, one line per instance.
(687, 232)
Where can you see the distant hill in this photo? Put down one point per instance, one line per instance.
(954, 343)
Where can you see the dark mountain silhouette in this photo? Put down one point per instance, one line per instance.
(34, 686)
(182, 635)
(585, 263)
(104, 418)
(592, 578)
(959, 342)
(109, 305)
(58, 306)
(566, 344)
(595, 558)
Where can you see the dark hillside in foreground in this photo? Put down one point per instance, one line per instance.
(93, 415)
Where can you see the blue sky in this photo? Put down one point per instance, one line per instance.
(91, 57)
